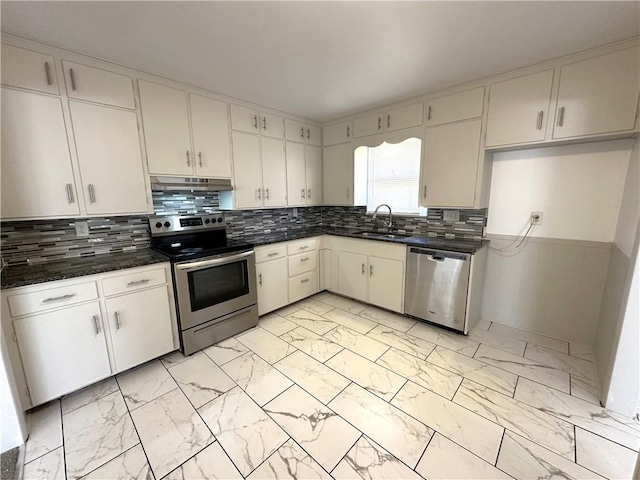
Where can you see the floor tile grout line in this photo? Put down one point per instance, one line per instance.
(424, 451)
(64, 450)
(504, 431)
(362, 435)
(117, 456)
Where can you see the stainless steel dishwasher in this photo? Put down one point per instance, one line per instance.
(436, 286)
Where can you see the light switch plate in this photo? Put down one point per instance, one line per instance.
(82, 229)
(451, 215)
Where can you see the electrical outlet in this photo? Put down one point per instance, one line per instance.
(295, 212)
(82, 229)
(451, 216)
(536, 218)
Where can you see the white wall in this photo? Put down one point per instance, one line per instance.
(577, 187)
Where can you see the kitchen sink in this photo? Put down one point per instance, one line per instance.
(369, 234)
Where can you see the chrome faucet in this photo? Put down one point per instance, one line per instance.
(388, 224)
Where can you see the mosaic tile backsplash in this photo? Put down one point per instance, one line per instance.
(47, 240)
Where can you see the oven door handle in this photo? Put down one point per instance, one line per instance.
(213, 262)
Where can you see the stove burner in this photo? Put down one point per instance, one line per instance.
(189, 250)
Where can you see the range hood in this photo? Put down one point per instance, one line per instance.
(185, 184)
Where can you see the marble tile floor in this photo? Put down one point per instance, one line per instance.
(332, 388)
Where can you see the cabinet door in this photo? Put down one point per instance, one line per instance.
(339, 133)
(100, 86)
(247, 170)
(62, 351)
(404, 117)
(37, 177)
(273, 289)
(368, 125)
(313, 135)
(274, 172)
(386, 283)
(140, 326)
(27, 69)
(211, 145)
(453, 108)
(244, 119)
(294, 130)
(166, 129)
(352, 275)
(518, 109)
(450, 165)
(271, 125)
(598, 95)
(112, 174)
(313, 162)
(296, 176)
(325, 272)
(337, 174)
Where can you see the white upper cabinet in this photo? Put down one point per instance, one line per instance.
(165, 117)
(599, 95)
(112, 175)
(368, 125)
(338, 133)
(274, 172)
(313, 135)
(337, 174)
(27, 69)
(450, 165)
(296, 175)
(453, 108)
(518, 109)
(404, 117)
(211, 142)
(99, 86)
(251, 121)
(271, 125)
(296, 131)
(37, 176)
(248, 171)
(313, 171)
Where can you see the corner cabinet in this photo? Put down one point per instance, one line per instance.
(338, 175)
(71, 333)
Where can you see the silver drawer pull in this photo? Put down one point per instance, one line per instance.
(304, 247)
(304, 281)
(138, 282)
(273, 254)
(116, 315)
(96, 325)
(58, 299)
(304, 259)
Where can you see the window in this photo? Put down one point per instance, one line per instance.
(393, 175)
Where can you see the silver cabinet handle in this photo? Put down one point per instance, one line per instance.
(47, 71)
(370, 270)
(379, 123)
(266, 193)
(429, 113)
(306, 280)
(274, 254)
(348, 131)
(60, 298)
(347, 193)
(92, 193)
(302, 192)
(363, 267)
(308, 134)
(305, 259)
(138, 282)
(255, 121)
(72, 75)
(116, 315)
(424, 195)
(260, 279)
(188, 158)
(258, 193)
(540, 116)
(264, 123)
(96, 325)
(309, 193)
(388, 120)
(301, 132)
(200, 158)
(70, 193)
(561, 117)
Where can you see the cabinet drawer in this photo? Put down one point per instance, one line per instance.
(133, 281)
(51, 298)
(100, 86)
(303, 262)
(303, 286)
(271, 252)
(27, 69)
(302, 246)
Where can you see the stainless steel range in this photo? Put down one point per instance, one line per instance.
(214, 278)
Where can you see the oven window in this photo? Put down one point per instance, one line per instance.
(215, 285)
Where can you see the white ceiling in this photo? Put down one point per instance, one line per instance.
(323, 60)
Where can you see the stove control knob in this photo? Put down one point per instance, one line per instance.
(158, 224)
(206, 220)
(220, 219)
(167, 224)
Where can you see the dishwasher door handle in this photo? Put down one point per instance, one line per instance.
(435, 258)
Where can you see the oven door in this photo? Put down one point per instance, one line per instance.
(215, 286)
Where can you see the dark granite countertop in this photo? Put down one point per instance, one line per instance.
(31, 274)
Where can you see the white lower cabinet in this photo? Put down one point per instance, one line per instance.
(62, 351)
(352, 275)
(385, 283)
(140, 326)
(64, 337)
(272, 285)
